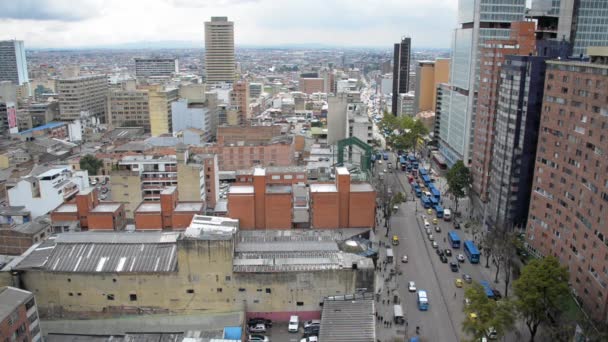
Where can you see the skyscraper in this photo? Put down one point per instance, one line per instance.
(219, 50)
(478, 21)
(401, 71)
(13, 66)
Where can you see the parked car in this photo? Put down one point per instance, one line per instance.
(411, 286)
(310, 339)
(448, 252)
(431, 237)
(258, 338)
(258, 328)
(103, 197)
(294, 324)
(404, 259)
(258, 320)
(434, 244)
(497, 294)
(467, 278)
(438, 229)
(439, 252)
(443, 259)
(311, 323)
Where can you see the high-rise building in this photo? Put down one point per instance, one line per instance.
(429, 74)
(478, 21)
(18, 315)
(83, 94)
(569, 202)
(151, 67)
(13, 66)
(401, 71)
(219, 50)
(492, 54)
(255, 90)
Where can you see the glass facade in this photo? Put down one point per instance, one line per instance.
(591, 26)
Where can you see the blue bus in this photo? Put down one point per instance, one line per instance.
(426, 179)
(422, 172)
(471, 251)
(423, 300)
(435, 192)
(454, 239)
(426, 203)
(439, 211)
(417, 191)
(487, 289)
(434, 201)
(385, 156)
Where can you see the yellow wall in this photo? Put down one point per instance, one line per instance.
(442, 75)
(189, 181)
(159, 116)
(4, 161)
(427, 82)
(126, 187)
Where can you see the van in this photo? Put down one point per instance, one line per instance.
(447, 214)
(294, 324)
(389, 255)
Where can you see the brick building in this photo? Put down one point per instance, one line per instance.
(309, 85)
(16, 238)
(569, 202)
(90, 213)
(167, 214)
(18, 316)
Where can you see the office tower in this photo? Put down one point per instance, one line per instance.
(401, 71)
(429, 74)
(83, 94)
(18, 315)
(239, 100)
(478, 21)
(129, 106)
(492, 54)
(159, 103)
(406, 104)
(154, 67)
(569, 202)
(219, 50)
(13, 66)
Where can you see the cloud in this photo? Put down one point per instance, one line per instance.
(61, 10)
(207, 3)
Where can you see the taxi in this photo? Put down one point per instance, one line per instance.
(473, 316)
(435, 220)
(395, 240)
(458, 282)
(430, 211)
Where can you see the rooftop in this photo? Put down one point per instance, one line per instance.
(278, 189)
(317, 187)
(211, 228)
(10, 298)
(168, 190)
(106, 207)
(148, 207)
(66, 208)
(241, 189)
(49, 125)
(361, 187)
(14, 211)
(342, 171)
(348, 321)
(189, 206)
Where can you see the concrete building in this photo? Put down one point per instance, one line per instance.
(386, 84)
(336, 118)
(43, 113)
(309, 85)
(247, 135)
(429, 74)
(13, 65)
(211, 267)
(568, 208)
(83, 94)
(18, 315)
(493, 54)
(406, 104)
(401, 70)
(239, 100)
(190, 176)
(276, 201)
(478, 21)
(195, 92)
(159, 104)
(255, 90)
(46, 187)
(219, 51)
(187, 114)
(17, 237)
(211, 175)
(129, 107)
(167, 214)
(89, 213)
(154, 67)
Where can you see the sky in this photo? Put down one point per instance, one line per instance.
(339, 23)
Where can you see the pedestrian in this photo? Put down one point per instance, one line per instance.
(383, 302)
(454, 294)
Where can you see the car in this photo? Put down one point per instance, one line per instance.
(258, 320)
(454, 266)
(497, 294)
(103, 197)
(93, 182)
(258, 338)
(427, 224)
(104, 190)
(460, 258)
(294, 324)
(310, 334)
(448, 252)
(431, 237)
(411, 286)
(430, 211)
(404, 259)
(258, 328)
(466, 301)
(473, 316)
(395, 240)
(434, 244)
(439, 252)
(312, 330)
(467, 278)
(311, 338)
(429, 231)
(311, 323)
(434, 220)
(491, 333)
(458, 282)
(456, 225)
(428, 194)
(438, 229)
(443, 259)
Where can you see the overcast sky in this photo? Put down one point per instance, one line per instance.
(378, 23)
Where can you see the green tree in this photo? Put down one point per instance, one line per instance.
(459, 180)
(540, 290)
(402, 132)
(91, 164)
(484, 313)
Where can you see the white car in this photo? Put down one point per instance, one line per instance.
(460, 257)
(258, 328)
(294, 324)
(310, 339)
(431, 237)
(404, 259)
(411, 286)
(434, 244)
(258, 338)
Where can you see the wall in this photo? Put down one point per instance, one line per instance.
(324, 207)
(362, 211)
(126, 188)
(278, 211)
(250, 134)
(182, 220)
(242, 207)
(244, 157)
(148, 221)
(190, 182)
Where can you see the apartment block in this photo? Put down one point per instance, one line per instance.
(154, 67)
(83, 94)
(187, 114)
(239, 100)
(17, 236)
(18, 316)
(129, 107)
(309, 85)
(569, 202)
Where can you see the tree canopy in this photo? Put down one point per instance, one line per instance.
(458, 179)
(484, 313)
(540, 291)
(91, 164)
(402, 132)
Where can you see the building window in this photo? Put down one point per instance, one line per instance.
(300, 303)
(190, 291)
(219, 289)
(110, 297)
(133, 297)
(268, 290)
(227, 278)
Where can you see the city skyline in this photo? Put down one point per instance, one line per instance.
(54, 24)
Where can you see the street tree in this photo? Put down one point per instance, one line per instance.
(540, 291)
(91, 164)
(403, 132)
(459, 180)
(484, 313)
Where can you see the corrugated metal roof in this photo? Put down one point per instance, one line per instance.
(118, 237)
(348, 321)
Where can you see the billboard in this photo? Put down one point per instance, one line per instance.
(11, 113)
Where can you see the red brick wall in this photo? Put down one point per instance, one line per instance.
(148, 221)
(101, 221)
(13, 243)
(7, 331)
(278, 211)
(242, 207)
(182, 220)
(362, 209)
(55, 217)
(324, 208)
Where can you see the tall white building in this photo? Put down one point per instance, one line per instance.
(13, 66)
(219, 50)
(478, 21)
